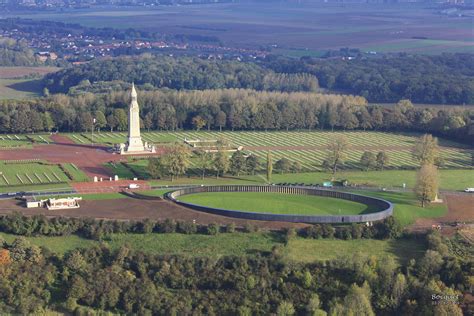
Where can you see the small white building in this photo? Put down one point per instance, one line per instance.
(54, 204)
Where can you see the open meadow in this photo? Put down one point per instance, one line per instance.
(307, 148)
(291, 28)
(298, 250)
(22, 82)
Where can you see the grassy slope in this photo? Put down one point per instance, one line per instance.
(197, 245)
(20, 88)
(309, 250)
(59, 245)
(298, 249)
(277, 203)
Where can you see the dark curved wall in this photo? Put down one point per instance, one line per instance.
(385, 208)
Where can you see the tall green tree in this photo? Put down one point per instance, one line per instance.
(100, 120)
(252, 163)
(283, 165)
(203, 161)
(237, 163)
(368, 160)
(382, 160)
(426, 150)
(221, 162)
(336, 153)
(177, 160)
(269, 166)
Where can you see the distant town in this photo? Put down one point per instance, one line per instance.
(74, 43)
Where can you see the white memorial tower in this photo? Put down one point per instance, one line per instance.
(135, 144)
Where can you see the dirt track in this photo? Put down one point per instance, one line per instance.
(134, 209)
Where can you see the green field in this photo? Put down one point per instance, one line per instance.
(277, 203)
(305, 26)
(15, 141)
(454, 180)
(22, 82)
(20, 88)
(307, 148)
(237, 244)
(77, 174)
(407, 209)
(59, 245)
(30, 173)
(310, 250)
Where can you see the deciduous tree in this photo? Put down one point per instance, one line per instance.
(336, 154)
(426, 187)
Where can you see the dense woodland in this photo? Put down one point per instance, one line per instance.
(128, 281)
(443, 79)
(180, 73)
(439, 79)
(232, 109)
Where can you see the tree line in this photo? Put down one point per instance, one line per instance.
(438, 79)
(39, 225)
(132, 282)
(231, 109)
(179, 73)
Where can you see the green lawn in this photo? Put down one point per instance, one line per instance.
(57, 244)
(455, 180)
(30, 174)
(77, 174)
(36, 187)
(195, 245)
(407, 208)
(312, 145)
(8, 141)
(198, 245)
(310, 250)
(449, 179)
(277, 203)
(20, 88)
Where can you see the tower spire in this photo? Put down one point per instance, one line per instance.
(134, 92)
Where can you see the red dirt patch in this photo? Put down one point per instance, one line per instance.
(107, 186)
(88, 158)
(134, 209)
(460, 210)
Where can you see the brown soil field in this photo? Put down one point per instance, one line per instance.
(460, 210)
(134, 209)
(16, 72)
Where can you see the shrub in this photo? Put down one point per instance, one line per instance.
(186, 228)
(230, 228)
(249, 228)
(327, 231)
(168, 226)
(213, 229)
(357, 230)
